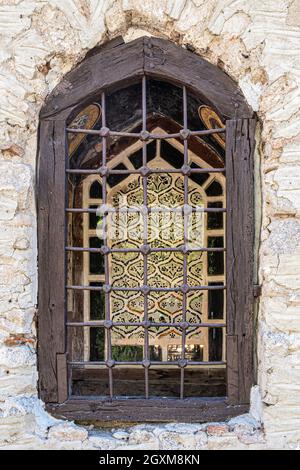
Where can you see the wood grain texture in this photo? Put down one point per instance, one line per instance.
(158, 58)
(240, 252)
(109, 68)
(188, 410)
(232, 369)
(51, 242)
(164, 59)
(62, 374)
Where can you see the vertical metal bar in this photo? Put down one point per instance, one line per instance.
(106, 263)
(67, 256)
(185, 239)
(145, 237)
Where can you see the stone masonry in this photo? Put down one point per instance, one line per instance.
(257, 43)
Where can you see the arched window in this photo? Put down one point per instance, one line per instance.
(145, 201)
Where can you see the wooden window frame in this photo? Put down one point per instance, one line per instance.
(117, 65)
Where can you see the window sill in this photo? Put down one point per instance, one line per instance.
(136, 410)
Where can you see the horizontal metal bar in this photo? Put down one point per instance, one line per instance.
(145, 136)
(91, 171)
(140, 250)
(140, 363)
(142, 288)
(101, 323)
(142, 209)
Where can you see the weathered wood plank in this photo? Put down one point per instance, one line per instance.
(62, 374)
(152, 410)
(240, 245)
(112, 67)
(156, 57)
(164, 59)
(51, 242)
(232, 369)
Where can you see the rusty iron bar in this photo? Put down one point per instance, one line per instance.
(106, 288)
(145, 234)
(138, 209)
(144, 324)
(66, 255)
(140, 250)
(185, 238)
(111, 171)
(105, 132)
(141, 363)
(106, 261)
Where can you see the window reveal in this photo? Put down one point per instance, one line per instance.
(79, 354)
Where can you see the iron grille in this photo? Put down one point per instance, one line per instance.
(145, 249)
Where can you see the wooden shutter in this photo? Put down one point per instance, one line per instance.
(240, 143)
(51, 260)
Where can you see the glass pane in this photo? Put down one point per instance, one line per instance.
(215, 258)
(214, 189)
(96, 190)
(97, 344)
(165, 307)
(136, 158)
(129, 381)
(199, 178)
(94, 219)
(208, 382)
(97, 303)
(165, 269)
(215, 302)
(171, 155)
(90, 382)
(215, 344)
(96, 259)
(164, 381)
(155, 353)
(127, 353)
(215, 219)
(114, 179)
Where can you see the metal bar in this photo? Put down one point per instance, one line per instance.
(140, 363)
(106, 264)
(94, 171)
(66, 258)
(185, 239)
(142, 288)
(138, 135)
(145, 236)
(139, 250)
(150, 210)
(113, 324)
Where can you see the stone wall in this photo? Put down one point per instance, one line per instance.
(257, 43)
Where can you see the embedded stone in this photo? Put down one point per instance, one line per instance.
(67, 432)
(122, 435)
(217, 429)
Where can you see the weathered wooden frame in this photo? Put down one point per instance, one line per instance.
(117, 65)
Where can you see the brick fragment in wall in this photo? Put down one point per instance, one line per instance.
(19, 340)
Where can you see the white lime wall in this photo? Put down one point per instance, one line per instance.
(257, 43)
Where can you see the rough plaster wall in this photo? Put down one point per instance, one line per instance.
(258, 44)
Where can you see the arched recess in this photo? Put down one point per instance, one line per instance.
(114, 68)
